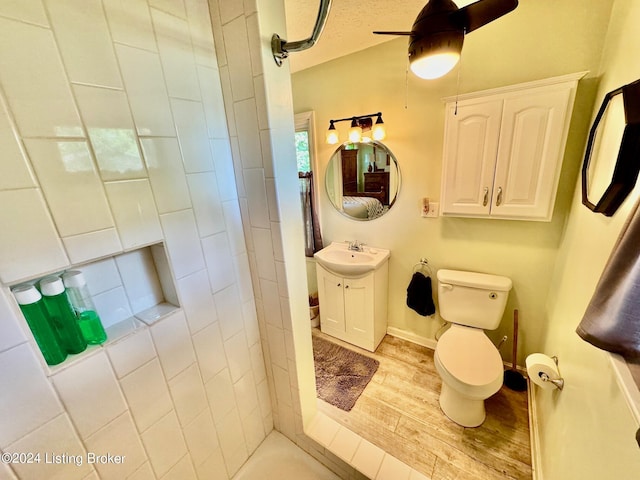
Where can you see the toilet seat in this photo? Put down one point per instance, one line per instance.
(470, 361)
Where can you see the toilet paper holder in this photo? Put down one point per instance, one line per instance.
(558, 382)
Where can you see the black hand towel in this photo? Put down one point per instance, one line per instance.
(419, 295)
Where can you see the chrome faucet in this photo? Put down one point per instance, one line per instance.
(356, 246)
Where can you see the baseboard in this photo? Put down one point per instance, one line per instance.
(412, 337)
(534, 436)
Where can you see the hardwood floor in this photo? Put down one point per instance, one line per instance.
(399, 412)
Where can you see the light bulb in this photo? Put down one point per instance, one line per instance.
(355, 134)
(435, 66)
(332, 137)
(379, 132)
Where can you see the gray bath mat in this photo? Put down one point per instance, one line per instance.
(341, 374)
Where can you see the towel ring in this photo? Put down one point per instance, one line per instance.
(423, 264)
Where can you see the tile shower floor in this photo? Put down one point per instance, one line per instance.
(399, 412)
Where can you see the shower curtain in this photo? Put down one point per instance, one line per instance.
(612, 319)
(312, 236)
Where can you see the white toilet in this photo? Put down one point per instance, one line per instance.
(467, 361)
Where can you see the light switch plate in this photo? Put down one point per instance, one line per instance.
(433, 210)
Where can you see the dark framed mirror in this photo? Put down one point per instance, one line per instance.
(363, 180)
(627, 165)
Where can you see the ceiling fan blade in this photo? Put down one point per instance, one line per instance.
(392, 33)
(480, 13)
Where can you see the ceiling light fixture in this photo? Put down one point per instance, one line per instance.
(359, 124)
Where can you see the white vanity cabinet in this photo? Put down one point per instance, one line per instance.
(354, 309)
(503, 149)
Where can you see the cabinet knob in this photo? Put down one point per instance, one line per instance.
(499, 197)
(346, 286)
(339, 284)
(485, 200)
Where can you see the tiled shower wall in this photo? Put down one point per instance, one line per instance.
(112, 137)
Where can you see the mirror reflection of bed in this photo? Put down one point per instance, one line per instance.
(362, 180)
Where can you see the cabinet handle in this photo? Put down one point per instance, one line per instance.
(485, 200)
(499, 197)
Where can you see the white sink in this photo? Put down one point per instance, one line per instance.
(338, 259)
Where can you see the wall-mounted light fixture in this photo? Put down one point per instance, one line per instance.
(359, 124)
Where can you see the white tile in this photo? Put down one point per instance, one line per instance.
(196, 300)
(253, 429)
(6, 473)
(156, 313)
(166, 174)
(282, 386)
(264, 253)
(29, 244)
(112, 306)
(221, 396)
(174, 7)
(138, 273)
(117, 438)
(210, 351)
(251, 328)
(211, 90)
(230, 9)
(267, 157)
(213, 467)
(182, 242)
(183, 470)
(229, 309)
(131, 352)
(416, 475)
(271, 300)
(30, 12)
(30, 401)
(276, 239)
(254, 184)
(232, 441)
(147, 93)
(192, 134)
(11, 322)
(88, 246)
(176, 53)
(84, 385)
(368, 458)
(164, 444)
(223, 160)
(248, 133)
(393, 469)
(238, 171)
(243, 274)
(323, 430)
(188, 394)
(257, 362)
(264, 401)
(90, 60)
(201, 34)
(225, 83)
(233, 222)
(165, 276)
(71, 185)
(130, 23)
(106, 115)
(145, 472)
(246, 394)
(272, 199)
(101, 275)
(135, 212)
(35, 83)
(173, 344)
(145, 390)
(201, 437)
(57, 434)
(345, 444)
(238, 357)
(206, 203)
(217, 255)
(15, 169)
(255, 45)
(239, 60)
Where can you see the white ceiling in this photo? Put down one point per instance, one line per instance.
(349, 26)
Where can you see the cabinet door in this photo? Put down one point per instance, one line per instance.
(532, 141)
(358, 309)
(330, 293)
(470, 149)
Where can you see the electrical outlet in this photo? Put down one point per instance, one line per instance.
(433, 210)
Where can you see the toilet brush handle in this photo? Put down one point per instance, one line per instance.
(515, 340)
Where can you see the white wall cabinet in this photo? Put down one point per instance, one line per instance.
(503, 150)
(354, 309)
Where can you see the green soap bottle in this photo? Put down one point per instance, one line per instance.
(80, 299)
(30, 302)
(61, 313)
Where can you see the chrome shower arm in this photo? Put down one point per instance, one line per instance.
(281, 48)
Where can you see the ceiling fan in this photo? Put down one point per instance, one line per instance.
(438, 32)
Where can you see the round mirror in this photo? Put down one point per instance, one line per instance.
(362, 180)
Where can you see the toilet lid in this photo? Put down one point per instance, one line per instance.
(469, 355)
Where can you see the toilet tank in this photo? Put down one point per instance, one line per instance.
(472, 299)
